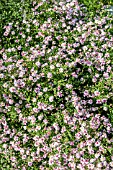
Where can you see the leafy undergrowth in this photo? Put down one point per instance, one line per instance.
(56, 88)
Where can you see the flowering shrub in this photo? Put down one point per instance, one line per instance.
(56, 89)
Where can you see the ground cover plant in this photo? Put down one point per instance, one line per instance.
(56, 72)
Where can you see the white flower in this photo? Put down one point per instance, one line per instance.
(63, 25)
(72, 4)
(13, 159)
(58, 65)
(51, 160)
(38, 127)
(4, 145)
(49, 75)
(91, 166)
(51, 98)
(10, 101)
(23, 36)
(105, 109)
(50, 58)
(40, 93)
(9, 50)
(97, 143)
(1, 75)
(77, 155)
(97, 93)
(111, 164)
(64, 7)
(35, 109)
(45, 89)
(38, 63)
(5, 85)
(40, 117)
(99, 165)
(82, 129)
(106, 75)
(27, 30)
(102, 158)
(61, 70)
(96, 75)
(55, 144)
(92, 160)
(52, 67)
(34, 100)
(97, 155)
(69, 86)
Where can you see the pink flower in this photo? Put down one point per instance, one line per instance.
(97, 143)
(97, 93)
(6, 33)
(30, 163)
(23, 168)
(35, 109)
(13, 159)
(106, 75)
(86, 93)
(11, 101)
(49, 75)
(90, 166)
(98, 101)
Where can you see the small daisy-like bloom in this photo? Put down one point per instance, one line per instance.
(40, 117)
(35, 109)
(106, 75)
(90, 166)
(97, 155)
(40, 93)
(69, 86)
(1, 76)
(104, 100)
(108, 69)
(61, 70)
(104, 163)
(6, 33)
(94, 79)
(98, 101)
(61, 106)
(23, 168)
(45, 89)
(97, 143)
(105, 108)
(58, 65)
(38, 63)
(78, 155)
(12, 89)
(34, 100)
(52, 67)
(111, 164)
(86, 93)
(51, 98)
(30, 163)
(51, 162)
(49, 75)
(27, 30)
(11, 101)
(102, 158)
(63, 129)
(97, 93)
(45, 121)
(13, 159)
(99, 165)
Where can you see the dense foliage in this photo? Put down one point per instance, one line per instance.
(56, 72)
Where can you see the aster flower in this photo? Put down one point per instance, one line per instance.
(51, 98)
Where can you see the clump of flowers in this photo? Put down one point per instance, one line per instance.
(56, 90)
